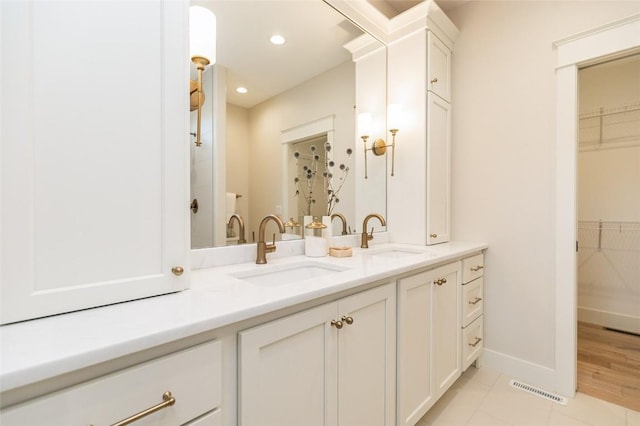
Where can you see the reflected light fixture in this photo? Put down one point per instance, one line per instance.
(277, 39)
(241, 90)
(202, 49)
(379, 146)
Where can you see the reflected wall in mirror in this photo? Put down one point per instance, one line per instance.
(302, 90)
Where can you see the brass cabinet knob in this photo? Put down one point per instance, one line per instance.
(433, 235)
(434, 80)
(348, 320)
(177, 270)
(337, 324)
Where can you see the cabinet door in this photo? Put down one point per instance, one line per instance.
(415, 390)
(445, 316)
(366, 358)
(438, 169)
(439, 67)
(94, 160)
(287, 370)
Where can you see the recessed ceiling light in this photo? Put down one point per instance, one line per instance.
(277, 39)
(241, 89)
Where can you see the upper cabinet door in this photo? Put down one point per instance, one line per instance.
(94, 120)
(439, 67)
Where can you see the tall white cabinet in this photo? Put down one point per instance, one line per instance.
(419, 71)
(94, 153)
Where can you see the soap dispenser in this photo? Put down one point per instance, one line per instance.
(315, 245)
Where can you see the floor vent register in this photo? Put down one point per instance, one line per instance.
(539, 392)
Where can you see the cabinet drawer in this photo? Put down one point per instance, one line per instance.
(472, 268)
(193, 376)
(472, 342)
(472, 303)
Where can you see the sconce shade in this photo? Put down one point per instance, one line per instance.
(202, 34)
(394, 116)
(364, 124)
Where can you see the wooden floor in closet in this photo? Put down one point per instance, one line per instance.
(609, 365)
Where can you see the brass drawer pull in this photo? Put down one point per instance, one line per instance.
(477, 268)
(475, 302)
(168, 401)
(348, 320)
(434, 80)
(474, 344)
(337, 324)
(433, 235)
(440, 281)
(177, 270)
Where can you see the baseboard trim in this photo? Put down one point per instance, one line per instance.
(609, 319)
(535, 374)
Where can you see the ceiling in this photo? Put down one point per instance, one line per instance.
(315, 36)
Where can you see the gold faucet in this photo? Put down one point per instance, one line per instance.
(238, 218)
(366, 237)
(264, 248)
(344, 222)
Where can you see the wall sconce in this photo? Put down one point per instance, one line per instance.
(379, 146)
(202, 49)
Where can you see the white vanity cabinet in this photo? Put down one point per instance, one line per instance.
(329, 365)
(472, 309)
(94, 154)
(192, 376)
(428, 339)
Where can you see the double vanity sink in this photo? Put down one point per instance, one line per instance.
(303, 270)
(220, 298)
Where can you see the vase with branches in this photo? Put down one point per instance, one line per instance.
(320, 165)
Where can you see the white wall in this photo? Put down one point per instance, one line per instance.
(238, 160)
(503, 162)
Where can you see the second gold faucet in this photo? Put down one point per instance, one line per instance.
(364, 243)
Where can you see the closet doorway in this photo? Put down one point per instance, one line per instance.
(608, 229)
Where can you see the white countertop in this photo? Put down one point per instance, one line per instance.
(41, 349)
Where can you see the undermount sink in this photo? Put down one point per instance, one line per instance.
(392, 253)
(287, 274)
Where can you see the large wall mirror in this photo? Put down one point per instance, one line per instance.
(288, 145)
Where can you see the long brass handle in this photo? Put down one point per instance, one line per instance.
(168, 401)
(337, 324)
(348, 320)
(475, 302)
(474, 344)
(477, 268)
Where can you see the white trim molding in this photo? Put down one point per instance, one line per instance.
(598, 44)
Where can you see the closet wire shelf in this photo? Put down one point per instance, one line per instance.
(610, 127)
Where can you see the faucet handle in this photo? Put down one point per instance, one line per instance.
(270, 248)
(370, 236)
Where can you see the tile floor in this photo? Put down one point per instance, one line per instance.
(483, 397)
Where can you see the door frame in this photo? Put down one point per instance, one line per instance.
(602, 43)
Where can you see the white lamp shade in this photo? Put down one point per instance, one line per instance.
(364, 124)
(202, 33)
(394, 116)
